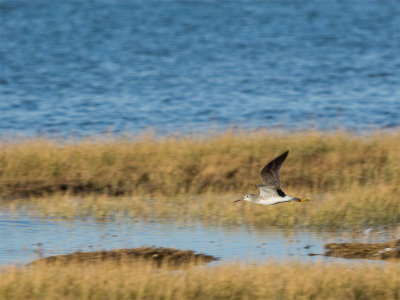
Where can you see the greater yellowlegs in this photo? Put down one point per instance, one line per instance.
(270, 191)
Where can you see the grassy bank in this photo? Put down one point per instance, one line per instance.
(352, 181)
(224, 163)
(234, 281)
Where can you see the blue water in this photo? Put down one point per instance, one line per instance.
(78, 67)
(25, 238)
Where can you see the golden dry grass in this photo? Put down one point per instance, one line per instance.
(223, 163)
(233, 281)
(352, 181)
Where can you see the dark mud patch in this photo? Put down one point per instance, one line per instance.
(41, 188)
(159, 256)
(385, 251)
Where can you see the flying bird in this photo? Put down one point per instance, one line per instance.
(270, 191)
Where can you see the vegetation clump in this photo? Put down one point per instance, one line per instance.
(386, 251)
(160, 256)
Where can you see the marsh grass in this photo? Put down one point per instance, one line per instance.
(352, 181)
(290, 280)
(190, 165)
(350, 209)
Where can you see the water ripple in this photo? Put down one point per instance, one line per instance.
(191, 66)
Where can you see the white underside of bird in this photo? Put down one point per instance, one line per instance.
(275, 200)
(269, 196)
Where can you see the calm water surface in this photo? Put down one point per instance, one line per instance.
(25, 237)
(82, 67)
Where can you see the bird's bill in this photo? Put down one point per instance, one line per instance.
(304, 200)
(237, 200)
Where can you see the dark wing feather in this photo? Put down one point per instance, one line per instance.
(270, 173)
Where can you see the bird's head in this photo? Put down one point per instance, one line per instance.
(244, 198)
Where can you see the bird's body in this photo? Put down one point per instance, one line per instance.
(267, 200)
(270, 190)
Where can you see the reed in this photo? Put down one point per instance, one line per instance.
(219, 163)
(270, 280)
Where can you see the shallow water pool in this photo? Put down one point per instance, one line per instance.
(25, 237)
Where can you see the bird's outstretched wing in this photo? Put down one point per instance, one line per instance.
(270, 173)
(266, 191)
